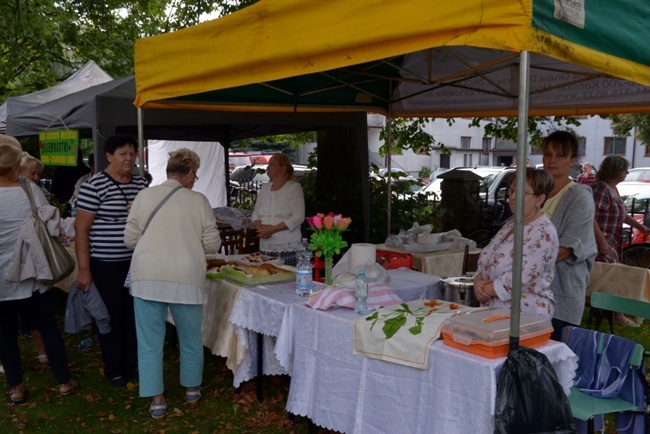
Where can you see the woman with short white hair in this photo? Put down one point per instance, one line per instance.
(171, 228)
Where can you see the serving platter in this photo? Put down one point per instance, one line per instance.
(237, 276)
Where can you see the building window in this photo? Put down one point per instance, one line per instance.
(487, 142)
(467, 160)
(582, 146)
(465, 142)
(615, 145)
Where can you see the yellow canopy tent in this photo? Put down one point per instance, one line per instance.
(427, 58)
(410, 58)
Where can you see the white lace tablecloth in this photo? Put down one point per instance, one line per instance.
(261, 309)
(355, 394)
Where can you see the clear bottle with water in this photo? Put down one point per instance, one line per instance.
(361, 294)
(304, 271)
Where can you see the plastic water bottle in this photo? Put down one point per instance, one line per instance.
(303, 272)
(86, 343)
(361, 294)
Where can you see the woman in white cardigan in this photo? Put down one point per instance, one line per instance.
(279, 212)
(168, 271)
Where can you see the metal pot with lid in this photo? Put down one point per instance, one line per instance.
(459, 289)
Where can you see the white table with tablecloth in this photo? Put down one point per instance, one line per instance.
(620, 279)
(354, 394)
(234, 316)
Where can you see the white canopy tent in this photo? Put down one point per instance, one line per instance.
(88, 75)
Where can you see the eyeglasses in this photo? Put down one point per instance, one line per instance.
(511, 192)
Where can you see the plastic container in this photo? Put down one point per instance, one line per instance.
(487, 333)
(361, 294)
(392, 260)
(304, 274)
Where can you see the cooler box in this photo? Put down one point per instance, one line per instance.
(391, 260)
(487, 333)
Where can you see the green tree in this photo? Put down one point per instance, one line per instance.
(410, 134)
(624, 124)
(538, 127)
(41, 43)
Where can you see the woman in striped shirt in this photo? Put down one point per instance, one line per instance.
(102, 208)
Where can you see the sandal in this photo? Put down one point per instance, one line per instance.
(157, 411)
(18, 394)
(71, 387)
(42, 359)
(193, 395)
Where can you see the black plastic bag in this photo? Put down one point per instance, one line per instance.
(530, 400)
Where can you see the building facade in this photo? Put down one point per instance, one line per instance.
(469, 147)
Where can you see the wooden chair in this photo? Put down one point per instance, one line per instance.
(251, 241)
(232, 241)
(470, 261)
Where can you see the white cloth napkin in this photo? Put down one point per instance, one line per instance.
(379, 294)
(404, 347)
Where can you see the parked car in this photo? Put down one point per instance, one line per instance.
(253, 176)
(639, 174)
(494, 178)
(636, 195)
(238, 159)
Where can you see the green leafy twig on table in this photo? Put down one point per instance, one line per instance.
(396, 319)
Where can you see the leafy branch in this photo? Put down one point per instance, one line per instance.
(396, 319)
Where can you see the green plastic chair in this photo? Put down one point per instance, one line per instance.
(616, 303)
(585, 407)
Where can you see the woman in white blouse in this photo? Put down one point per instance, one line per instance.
(493, 278)
(279, 211)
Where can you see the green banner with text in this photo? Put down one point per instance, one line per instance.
(59, 147)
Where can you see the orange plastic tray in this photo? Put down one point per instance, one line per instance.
(495, 350)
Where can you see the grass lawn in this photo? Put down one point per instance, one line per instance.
(99, 407)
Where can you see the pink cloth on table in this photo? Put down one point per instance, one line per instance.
(379, 295)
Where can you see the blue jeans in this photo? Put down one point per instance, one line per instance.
(150, 325)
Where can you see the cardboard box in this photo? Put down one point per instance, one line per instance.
(487, 333)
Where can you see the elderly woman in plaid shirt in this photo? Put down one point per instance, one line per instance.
(611, 214)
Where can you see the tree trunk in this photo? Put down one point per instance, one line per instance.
(343, 178)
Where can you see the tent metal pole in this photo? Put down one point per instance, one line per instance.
(389, 141)
(140, 142)
(520, 190)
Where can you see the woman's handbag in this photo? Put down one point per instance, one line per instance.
(60, 262)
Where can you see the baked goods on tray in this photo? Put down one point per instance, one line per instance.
(260, 270)
(214, 265)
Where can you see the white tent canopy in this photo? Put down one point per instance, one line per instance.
(88, 75)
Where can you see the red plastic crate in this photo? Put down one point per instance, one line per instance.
(391, 260)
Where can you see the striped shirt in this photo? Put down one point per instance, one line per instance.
(107, 199)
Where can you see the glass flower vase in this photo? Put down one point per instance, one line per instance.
(328, 270)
